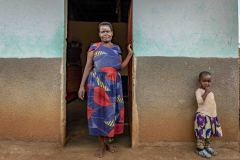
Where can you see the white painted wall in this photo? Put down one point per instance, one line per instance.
(191, 28)
(31, 28)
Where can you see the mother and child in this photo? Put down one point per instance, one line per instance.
(105, 105)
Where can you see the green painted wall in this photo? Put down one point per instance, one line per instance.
(191, 28)
(238, 24)
(31, 28)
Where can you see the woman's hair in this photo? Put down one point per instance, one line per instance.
(105, 24)
(203, 73)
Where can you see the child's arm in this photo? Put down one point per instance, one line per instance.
(207, 91)
(199, 97)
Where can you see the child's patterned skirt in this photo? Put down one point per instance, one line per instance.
(206, 126)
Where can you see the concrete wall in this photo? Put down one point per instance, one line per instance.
(166, 102)
(165, 33)
(31, 28)
(30, 99)
(188, 28)
(164, 86)
(31, 51)
(238, 25)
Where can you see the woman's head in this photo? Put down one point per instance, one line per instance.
(105, 31)
(205, 79)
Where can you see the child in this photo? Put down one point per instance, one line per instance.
(206, 121)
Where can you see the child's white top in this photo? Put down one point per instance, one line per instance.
(207, 107)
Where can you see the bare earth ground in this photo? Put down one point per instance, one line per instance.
(81, 146)
(18, 150)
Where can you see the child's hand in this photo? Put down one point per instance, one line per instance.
(208, 89)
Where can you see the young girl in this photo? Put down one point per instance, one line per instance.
(206, 121)
(105, 106)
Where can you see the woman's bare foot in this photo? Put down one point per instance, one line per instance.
(100, 151)
(110, 148)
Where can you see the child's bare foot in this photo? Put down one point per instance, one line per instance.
(100, 151)
(110, 148)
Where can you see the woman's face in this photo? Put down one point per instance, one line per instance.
(105, 34)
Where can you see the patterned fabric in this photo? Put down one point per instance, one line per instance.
(105, 110)
(206, 126)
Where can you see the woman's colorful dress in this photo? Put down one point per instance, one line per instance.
(105, 105)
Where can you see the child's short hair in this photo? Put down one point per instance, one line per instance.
(105, 24)
(203, 73)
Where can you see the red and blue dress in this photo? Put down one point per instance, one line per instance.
(105, 105)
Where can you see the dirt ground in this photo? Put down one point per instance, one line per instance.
(81, 146)
(18, 150)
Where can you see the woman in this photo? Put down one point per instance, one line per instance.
(105, 107)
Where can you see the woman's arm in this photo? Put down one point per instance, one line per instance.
(127, 59)
(86, 72)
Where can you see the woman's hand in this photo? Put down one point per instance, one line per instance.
(130, 50)
(129, 56)
(81, 92)
(86, 72)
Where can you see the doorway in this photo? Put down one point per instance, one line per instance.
(83, 19)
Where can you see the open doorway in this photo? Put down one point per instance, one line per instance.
(83, 19)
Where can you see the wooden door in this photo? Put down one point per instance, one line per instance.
(130, 71)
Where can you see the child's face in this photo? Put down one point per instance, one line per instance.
(105, 33)
(205, 81)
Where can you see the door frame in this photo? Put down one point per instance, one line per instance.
(63, 122)
(134, 125)
(131, 83)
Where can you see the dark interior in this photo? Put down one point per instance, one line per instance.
(98, 10)
(89, 11)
